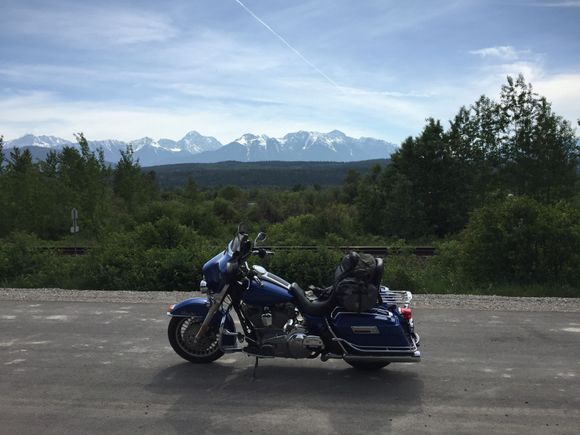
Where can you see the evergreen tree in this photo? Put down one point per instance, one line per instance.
(436, 176)
(1, 154)
(539, 149)
(130, 184)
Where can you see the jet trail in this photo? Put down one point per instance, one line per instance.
(287, 44)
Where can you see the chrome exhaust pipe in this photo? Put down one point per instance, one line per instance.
(414, 358)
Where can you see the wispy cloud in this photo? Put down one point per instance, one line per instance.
(88, 25)
(374, 68)
(506, 52)
(560, 4)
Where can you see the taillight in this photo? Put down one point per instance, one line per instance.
(406, 313)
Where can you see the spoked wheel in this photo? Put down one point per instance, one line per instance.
(365, 365)
(182, 331)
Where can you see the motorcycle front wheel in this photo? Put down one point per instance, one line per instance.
(181, 333)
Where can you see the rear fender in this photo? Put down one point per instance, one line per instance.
(198, 308)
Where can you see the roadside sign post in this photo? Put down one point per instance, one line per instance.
(74, 229)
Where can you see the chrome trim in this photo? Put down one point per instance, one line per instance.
(378, 349)
(358, 329)
(375, 312)
(263, 274)
(414, 358)
(223, 331)
(214, 307)
(273, 279)
(395, 297)
(334, 335)
(260, 270)
(203, 286)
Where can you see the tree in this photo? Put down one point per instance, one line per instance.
(1, 154)
(539, 149)
(84, 173)
(351, 185)
(437, 177)
(130, 184)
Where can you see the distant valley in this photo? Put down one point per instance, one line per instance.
(260, 174)
(334, 146)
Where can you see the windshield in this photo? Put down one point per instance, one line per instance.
(234, 245)
(239, 244)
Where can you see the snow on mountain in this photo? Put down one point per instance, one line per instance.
(144, 142)
(112, 145)
(194, 147)
(305, 145)
(194, 143)
(31, 140)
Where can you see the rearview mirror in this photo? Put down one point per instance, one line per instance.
(260, 237)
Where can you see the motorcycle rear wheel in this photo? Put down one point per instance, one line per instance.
(367, 366)
(181, 333)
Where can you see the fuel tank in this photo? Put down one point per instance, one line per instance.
(266, 293)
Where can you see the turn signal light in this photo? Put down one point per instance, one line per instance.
(406, 313)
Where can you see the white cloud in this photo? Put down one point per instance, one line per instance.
(563, 90)
(560, 4)
(47, 114)
(506, 52)
(88, 26)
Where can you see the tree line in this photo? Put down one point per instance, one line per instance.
(496, 190)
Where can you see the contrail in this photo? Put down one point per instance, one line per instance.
(287, 44)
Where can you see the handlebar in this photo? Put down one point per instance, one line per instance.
(261, 252)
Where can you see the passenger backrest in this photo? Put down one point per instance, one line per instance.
(379, 272)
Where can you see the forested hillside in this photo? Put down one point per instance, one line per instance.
(294, 175)
(496, 190)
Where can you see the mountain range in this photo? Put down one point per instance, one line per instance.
(195, 148)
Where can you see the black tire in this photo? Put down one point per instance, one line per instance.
(367, 366)
(181, 332)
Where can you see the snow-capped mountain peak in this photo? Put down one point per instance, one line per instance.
(194, 143)
(250, 139)
(144, 142)
(30, 140)
(194, 147)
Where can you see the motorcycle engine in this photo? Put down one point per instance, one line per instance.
(280, 331)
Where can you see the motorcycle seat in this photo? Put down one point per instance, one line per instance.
(312, 308)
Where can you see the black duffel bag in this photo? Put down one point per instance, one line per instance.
(357, 280)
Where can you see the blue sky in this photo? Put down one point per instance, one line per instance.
(128, 69)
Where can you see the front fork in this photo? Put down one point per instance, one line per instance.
(216, 304)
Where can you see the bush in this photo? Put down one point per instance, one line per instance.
(522, 241)
(24, 264)
(134, 262)
(305, 267)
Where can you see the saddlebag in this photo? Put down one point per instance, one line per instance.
(357, 281)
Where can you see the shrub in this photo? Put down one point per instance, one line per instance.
(522, 241)
(305, 267)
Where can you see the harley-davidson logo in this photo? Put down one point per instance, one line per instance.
(365, 329)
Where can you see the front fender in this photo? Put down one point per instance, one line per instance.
(197, 308)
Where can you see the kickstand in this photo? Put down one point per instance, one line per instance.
(254, 372)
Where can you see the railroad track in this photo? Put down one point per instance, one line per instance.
(379, 251)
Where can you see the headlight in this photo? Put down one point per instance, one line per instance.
(203, 286)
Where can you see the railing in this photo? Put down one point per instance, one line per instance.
(395, 297)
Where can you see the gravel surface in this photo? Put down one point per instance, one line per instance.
(464, 302)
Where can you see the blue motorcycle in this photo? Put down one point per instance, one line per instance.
(279, 319)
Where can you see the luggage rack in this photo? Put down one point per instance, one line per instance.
(395, 297)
